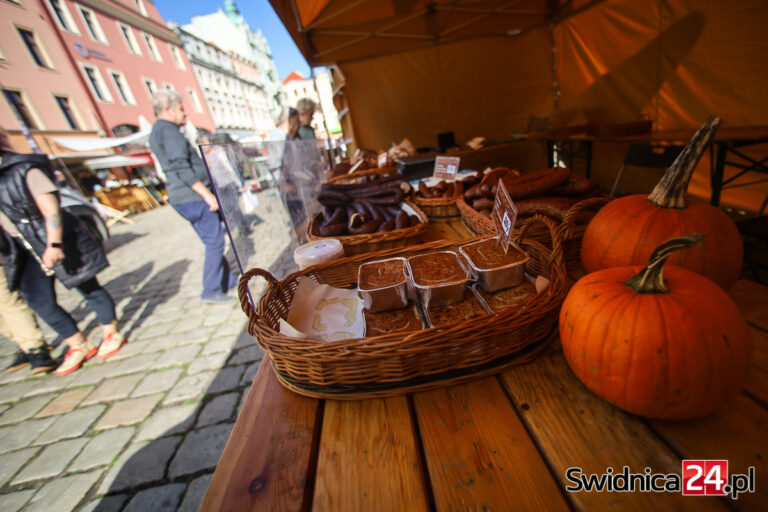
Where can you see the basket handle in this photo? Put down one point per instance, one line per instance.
(586, 204)
(242, 288)
(554, 233)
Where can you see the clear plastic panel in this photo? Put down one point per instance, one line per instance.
(267, 192)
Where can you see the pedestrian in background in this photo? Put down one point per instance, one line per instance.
(188, 188)
(306, 108)
(47, 241)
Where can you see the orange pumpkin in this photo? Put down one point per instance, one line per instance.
(666, 343)
(626, 230)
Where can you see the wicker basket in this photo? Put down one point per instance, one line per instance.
(359, 244)
(393, 364)
(571, 231)
(438, 206)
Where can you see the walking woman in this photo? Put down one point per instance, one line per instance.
(49, 242)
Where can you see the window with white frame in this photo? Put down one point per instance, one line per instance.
(129, 38)
(67, 111)
(195, 100)
(140, 7)
(34, 47)
(62, 15)
(92, 24)
(150, 85)
(169, 86)
(20, 105)
(97, 84)
(177, 58)
(152, 46)
(122, 87)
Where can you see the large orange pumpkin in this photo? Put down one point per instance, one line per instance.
(668, 346)
(626, 230)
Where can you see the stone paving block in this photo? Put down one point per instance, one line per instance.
(12, 462)
(195, 493)
(212, 362)
(177, 356)
(132, 348)
(189, 387)
(106, 504)
(250, 373)
(102, 448)
(216, 317)
(141, 463)
(160, 344)
(13, 392)
(113, 389)
(51, 461)
(23, 410)
(226, 379)
(136, 364)
(244, 339)
(222, 344)
(63, 494)
(72, 424)
(219, 409)
(18, 375)
(65, 402)
(171, 420)
(232, 328)
(198, 336)
(157, 382)
(24, 433)
(247, 354)
(128, 412)
(94, 374)
(201, 450)
(156, 330)
(190, 323)
(14, 501)
(158, 499)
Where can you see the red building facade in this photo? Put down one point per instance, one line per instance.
(124, 53)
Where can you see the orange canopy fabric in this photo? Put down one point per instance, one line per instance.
(483, 68)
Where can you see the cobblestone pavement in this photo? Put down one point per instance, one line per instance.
(144, 430)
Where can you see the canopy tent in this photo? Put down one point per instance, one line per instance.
(93, 143)
(117, 161)
(483, 68)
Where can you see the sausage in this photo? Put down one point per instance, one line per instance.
(337, 216)
(487, 213)
(536, 183)
(483, 191)
(469, 194)
(401, 220)
(332, 229)
(458, 189)
(441, 186)
(424, 190)
(555, 207)
(388, 225)
(483, 203)
(448, 192)
(575, 186)
(333, 196)
(368, 227)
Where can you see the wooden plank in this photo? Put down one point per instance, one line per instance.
(737, 432)
(478, 453)
(266, 462)
(573, 427)
(752, 300)
(368, 458)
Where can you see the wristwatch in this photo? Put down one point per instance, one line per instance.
(57, 245)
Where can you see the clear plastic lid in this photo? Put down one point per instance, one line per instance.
(319, 251)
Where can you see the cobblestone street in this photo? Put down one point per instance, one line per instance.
(142, 431)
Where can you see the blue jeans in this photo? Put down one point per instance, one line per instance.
(217, 277)
(39, 292)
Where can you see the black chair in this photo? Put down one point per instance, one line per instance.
(649, 156)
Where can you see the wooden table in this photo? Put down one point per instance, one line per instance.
(499, 443)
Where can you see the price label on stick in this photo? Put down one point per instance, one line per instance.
(382, 159)
(504, 215)
(446, 168)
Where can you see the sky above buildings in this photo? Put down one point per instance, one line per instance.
(258, 14)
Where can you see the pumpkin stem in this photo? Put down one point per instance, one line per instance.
(670, 191)
(651, 278)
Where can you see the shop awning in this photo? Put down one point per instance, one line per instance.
(93, 143)
(117, 161)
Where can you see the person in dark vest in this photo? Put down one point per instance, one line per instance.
(46, 243)
(187, 184)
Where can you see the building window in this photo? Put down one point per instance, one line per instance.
(152, 48)
(169, 86)
(177, 57)
(69, 115)
(130, 39)
(34, 48)
(151, 87)
(97, 84)
(140, 7)
(24, 115)
(92, 24)
(122, 88)
(60, 11)
(195, 100)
